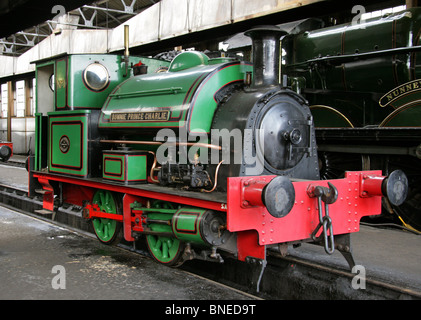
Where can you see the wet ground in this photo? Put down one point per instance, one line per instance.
(16, 177)
(41, 261)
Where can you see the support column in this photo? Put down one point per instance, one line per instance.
(10, 109)
(28, 87)
(412, 3)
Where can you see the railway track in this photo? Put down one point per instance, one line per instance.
(290, 277)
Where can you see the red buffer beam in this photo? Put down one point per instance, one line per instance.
(359, 194)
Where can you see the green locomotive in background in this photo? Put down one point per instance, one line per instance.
(362, 81)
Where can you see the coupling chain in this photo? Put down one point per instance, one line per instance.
(328, 196)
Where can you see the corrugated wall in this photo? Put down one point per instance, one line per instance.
(164, 20)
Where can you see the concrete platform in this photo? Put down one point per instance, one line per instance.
(41, 261)
(390, 256)
(14, 176)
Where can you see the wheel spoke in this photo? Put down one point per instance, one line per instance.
(165, 250)
(158, 244)
(101, 199)
(106, 230)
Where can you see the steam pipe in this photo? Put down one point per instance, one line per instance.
(158, 143)
(126, 41)
(126, 49)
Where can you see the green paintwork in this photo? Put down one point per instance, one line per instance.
(374, 35)
(405, 99)
(186, 224)
(71, 159)
(183, 223)
(129, 167)
(113, 167)
(105, 229)
(355, 87)
(70, 90)
(80, 96)
(183, 98)
(405, 116)
(325, 116)
(70, 93)
(38, 138)
(166, 250)
(367, 75)
(188, 60)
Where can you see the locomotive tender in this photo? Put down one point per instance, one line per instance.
(362, 82)
(105, 142)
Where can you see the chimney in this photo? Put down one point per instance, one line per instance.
(266, 55)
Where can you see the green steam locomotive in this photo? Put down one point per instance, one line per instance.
(204, 157)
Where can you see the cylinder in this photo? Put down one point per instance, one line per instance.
(200, 226)
(266, 55)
